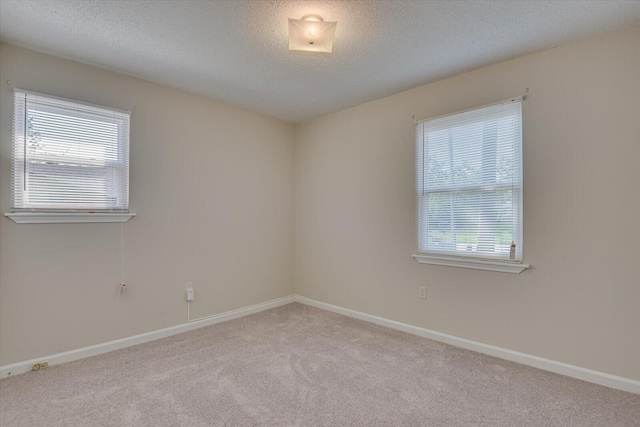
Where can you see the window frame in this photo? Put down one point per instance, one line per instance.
(23, 212)
(466, 259)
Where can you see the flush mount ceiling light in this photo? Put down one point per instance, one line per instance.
(312, 34)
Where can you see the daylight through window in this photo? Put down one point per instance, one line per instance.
(469, 183)
(69, 156)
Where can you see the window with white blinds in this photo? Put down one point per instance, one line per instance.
(69, 156)
(469, 183)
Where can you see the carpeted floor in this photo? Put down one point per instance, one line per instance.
(297, 365)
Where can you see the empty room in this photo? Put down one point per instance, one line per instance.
(319, 213)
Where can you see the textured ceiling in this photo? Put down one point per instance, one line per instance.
(237, 51)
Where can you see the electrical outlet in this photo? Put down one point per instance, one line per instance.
(190, 292)
(423, 292)
(40, 366)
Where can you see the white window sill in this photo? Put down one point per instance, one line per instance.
(477, 264)
(71, 217)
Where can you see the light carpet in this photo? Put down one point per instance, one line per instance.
(297, 365)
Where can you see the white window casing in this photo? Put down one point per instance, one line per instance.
(469, 188)
(70, 161)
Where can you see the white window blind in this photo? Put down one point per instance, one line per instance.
(69, 156)
(469, 182)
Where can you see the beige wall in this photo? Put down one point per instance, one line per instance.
(580, 301)
(212, 187)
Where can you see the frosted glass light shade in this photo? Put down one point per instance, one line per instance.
(311, 34)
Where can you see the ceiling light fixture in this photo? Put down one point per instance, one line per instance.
(311, 34)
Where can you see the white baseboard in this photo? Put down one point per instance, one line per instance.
(81, 353)
(589, 375)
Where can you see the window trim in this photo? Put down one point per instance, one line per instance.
(29, 214)
(471, 261)
(48, 212)
(515, 267)
(67, 217)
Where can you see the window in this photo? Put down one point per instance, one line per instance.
(69, 157)
(469, 186)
